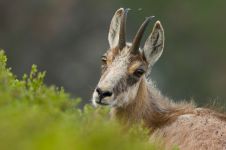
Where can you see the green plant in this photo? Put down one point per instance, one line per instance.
(34, 116)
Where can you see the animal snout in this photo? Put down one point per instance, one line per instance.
(103, 93)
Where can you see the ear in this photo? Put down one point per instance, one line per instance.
(154, 45)
(113, 35)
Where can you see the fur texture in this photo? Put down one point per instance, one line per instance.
(133, 98)
(181, 124)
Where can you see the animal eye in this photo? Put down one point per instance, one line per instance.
(104, 59)
(139, 72)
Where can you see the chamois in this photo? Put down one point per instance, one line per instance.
(125, 87)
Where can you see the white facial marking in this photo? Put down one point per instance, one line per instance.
(95, 97)
(116, 71)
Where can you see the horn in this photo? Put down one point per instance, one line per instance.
(122, 32)
(137, 39)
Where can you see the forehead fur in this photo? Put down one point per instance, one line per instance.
(119, 67)
(115, 70)
(134, 60)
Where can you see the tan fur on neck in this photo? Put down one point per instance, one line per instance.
(133, 99)
(181, 124)
(151, 108)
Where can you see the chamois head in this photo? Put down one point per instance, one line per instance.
(124, 64)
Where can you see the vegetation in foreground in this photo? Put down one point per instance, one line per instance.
(34, 116)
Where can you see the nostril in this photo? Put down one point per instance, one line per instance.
(99, 91)
(103, 94)
(107, 94)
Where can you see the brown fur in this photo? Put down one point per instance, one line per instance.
(183, 124)
(133, 99)
(180, 124)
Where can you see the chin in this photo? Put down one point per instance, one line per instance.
(94, 99)
(104, 102)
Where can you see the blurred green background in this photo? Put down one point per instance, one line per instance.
(67, 38)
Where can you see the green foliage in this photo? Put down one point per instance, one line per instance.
(34, 116)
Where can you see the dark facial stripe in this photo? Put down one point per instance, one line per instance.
(120, 87)
(124, 84)
(131, 80)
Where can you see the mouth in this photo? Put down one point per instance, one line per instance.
(101, 103)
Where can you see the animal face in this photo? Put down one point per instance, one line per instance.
(124, 65)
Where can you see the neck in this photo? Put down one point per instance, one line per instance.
(149, 107)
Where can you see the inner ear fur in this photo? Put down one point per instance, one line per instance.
(154, 45)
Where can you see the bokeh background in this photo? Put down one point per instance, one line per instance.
(67, 38)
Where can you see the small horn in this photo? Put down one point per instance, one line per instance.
(122, 32)
(137, 39)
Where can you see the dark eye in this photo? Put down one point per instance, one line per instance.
(139, 72)
(104, 59)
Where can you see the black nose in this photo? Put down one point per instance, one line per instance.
(102, 94)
